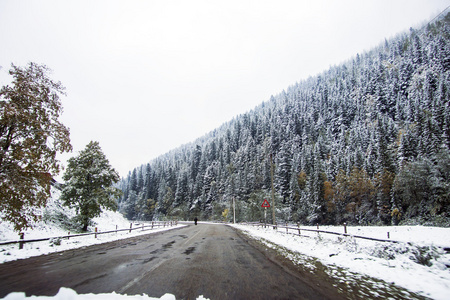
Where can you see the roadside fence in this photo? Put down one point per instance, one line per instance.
(297, 231)
(137, 226)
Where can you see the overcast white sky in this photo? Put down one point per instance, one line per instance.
(144, 77)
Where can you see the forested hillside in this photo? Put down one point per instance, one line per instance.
(365, 142)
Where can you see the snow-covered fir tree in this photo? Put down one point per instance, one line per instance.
(363, 142)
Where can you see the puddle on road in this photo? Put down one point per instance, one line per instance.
(164, 248)
(121, 267)
(147, 260)
(168, 245)
(89, 280)
(128, 244)
(189, 250)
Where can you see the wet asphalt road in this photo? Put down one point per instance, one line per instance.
(210, 260)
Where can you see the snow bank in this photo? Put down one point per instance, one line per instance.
(12, 252)
(419, 266)
(423, 235)
(69, 294)
(107, 221)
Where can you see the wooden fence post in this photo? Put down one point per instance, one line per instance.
(95, 232)
(287, 227)
(68, 235)
(298, 225)
(131, 226)
(152, 224)
(345, 228)
(388, 235)
(21, 236)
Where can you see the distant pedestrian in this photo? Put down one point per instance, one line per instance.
(195, 220)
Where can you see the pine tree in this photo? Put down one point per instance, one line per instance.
(133, 181)
(89, 180)
(181, 194)
(384, 181)
(283, 171)
(195, 161)
(129, 207)
(407, 150)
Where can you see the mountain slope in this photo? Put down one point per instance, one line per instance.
(364, 142)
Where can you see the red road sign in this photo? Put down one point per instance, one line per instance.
(265, 203)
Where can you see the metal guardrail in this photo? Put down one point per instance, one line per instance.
(153, 224)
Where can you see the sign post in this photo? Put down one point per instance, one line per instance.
(265, 205)
(265, 217)
(274, 221)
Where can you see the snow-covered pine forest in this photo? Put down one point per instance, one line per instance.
(365, 142)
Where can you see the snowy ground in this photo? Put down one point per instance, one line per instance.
(69, 294)
(418, 264)
(52, 227)
(106, 222)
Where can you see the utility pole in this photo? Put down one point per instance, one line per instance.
(234, 212)
(231, 171)
(273, 191)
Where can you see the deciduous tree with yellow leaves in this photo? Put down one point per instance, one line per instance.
(30, 137)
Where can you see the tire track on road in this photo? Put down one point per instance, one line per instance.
(142, 276)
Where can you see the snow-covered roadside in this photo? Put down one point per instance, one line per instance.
(106, 222)
(69, 294)
(392, 263)
(52, 227)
